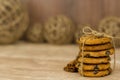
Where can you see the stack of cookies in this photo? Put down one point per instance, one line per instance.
(94, 56)
(93, 59)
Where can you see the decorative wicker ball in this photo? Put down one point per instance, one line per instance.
(13, 21)
(35, 33)
(59, 30)
(111, 26)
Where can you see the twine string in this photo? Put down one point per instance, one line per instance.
(82, 57)
(114, 63)
(82, 51)
(90, 31)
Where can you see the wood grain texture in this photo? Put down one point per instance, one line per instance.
(87, 12)
(43, 9)
(25, 61)
(111, 8)
(81, 11)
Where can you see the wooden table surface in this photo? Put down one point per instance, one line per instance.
(27, 61)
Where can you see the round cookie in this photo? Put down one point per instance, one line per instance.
(97, 47)
(96, 73)
(94, 60)
(71, 67)
(94, 67)
(94, 40)
(98, 53)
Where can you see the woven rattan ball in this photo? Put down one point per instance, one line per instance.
(111, 26)
(13, 21)
(59, 30)
(35, 32)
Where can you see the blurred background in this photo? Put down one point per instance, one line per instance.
(81, 11)
(57, 21)
(98, 14)
(38, 37)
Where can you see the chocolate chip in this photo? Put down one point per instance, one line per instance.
(95, 72)
(69, 65)
(107, 53)
(87, 55)
(102, 75)
(96, 67)
(109, 58)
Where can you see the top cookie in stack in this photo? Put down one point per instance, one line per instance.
(96, 51)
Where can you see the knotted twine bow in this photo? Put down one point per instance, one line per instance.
(89, 31)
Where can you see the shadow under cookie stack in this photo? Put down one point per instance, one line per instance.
(93, 59)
